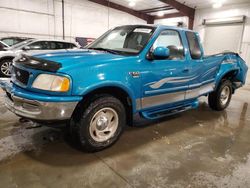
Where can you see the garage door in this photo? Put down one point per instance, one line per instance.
(248, 55)
(248, 62)
(219, 38)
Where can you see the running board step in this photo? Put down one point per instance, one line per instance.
(160, 113)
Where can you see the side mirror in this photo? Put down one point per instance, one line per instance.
(161, 53)
(196, 54)
(26, 48)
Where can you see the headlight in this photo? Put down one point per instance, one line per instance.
(52, 83)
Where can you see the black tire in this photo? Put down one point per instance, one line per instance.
(214, 98)
(81, 128)
(3, 63)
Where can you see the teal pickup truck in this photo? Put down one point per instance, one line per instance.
(154, 71)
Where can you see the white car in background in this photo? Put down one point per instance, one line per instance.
(10, 41)
(30, 46)
(3, 46)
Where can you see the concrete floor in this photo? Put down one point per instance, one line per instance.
(198, 148)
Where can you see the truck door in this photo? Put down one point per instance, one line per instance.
(199, 69)
(165, 81)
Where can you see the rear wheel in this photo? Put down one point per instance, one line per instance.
(101, 123)
(5, 67)
(220, 99)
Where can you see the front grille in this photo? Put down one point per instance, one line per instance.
(21, 75)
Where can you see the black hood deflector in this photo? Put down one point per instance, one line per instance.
(37, 63)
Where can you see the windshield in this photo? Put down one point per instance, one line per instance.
(10, 41)
(125, 39)
(3, 45)
(21, 44)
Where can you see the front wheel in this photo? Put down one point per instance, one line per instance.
(101, 123)
(5, 68)
(221, 97)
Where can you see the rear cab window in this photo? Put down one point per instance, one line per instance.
(194, 45)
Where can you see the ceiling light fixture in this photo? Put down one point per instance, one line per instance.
(160, 14)
(217, 5)
(131, 4)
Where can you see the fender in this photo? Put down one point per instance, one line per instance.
(7, 54)
(116, 84)
(7, 57)
(37, 63)
(225, 69)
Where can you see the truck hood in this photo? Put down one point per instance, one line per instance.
(73, 58)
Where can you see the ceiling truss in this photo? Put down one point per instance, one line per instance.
(158, 9)
(183, 10)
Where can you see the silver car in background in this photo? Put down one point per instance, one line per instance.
(30, 46)
(11, 40)
(3, 46)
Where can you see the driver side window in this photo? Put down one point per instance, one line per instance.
(171, 40)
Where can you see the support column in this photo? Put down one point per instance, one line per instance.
(190, 23)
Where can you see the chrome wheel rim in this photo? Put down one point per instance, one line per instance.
(104, 124)
(224, 96)
(6, 68)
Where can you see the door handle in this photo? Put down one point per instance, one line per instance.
(186, 70)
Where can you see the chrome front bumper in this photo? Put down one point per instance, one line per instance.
(37, 110)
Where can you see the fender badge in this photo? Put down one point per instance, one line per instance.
(135, 74)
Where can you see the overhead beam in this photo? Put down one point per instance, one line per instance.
(172, 15)
(183, 9)
(135, 13)
(190, 23)
(151, 10)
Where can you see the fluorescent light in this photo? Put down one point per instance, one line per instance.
(160, 14)
(217, 5)
(131, 4)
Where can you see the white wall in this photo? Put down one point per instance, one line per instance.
(26, 16)
(43, 18)
(224, 12)
(227, 11)
(210, 13)
(173, 21)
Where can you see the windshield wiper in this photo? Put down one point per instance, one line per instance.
(106, 50)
